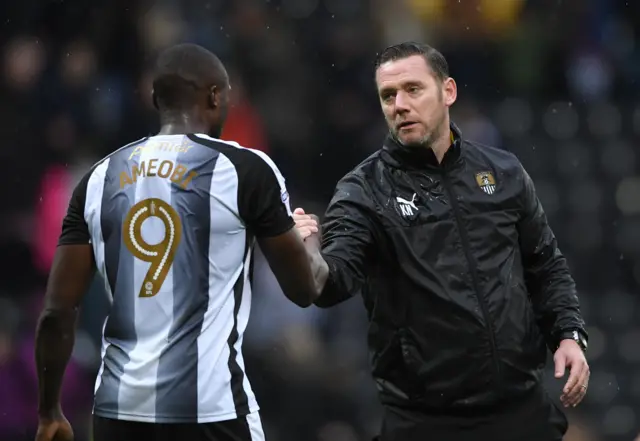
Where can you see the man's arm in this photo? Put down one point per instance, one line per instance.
(71, 272)
(347, 241)
(264, 205)
(552, 289)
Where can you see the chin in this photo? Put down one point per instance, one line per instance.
(412, 140)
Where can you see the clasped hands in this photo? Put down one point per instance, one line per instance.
(306, 224)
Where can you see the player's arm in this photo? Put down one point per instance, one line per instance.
(264, 204)
(549, 282)
(347, 241)
(299, 268)
(71, 272)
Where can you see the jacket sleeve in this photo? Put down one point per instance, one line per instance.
(347, 241)
(550, 285)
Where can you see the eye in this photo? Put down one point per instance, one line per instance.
(387, 97)
(413, 89)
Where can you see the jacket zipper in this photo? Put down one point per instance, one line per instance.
(473, 270)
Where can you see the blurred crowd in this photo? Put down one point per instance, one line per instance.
(556, 82)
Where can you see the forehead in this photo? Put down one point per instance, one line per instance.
(410, 69)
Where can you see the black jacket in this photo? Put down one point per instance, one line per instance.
(459, 270)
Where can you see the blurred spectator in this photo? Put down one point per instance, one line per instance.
(24, 63)
(51, 209)
(244, 124)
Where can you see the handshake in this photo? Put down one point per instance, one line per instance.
(306, 224)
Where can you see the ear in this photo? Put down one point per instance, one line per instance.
(213, 97)
(154, 99)
(449, 91)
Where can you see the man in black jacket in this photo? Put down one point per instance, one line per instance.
(461, 275)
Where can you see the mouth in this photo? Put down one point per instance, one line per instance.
(406, 125)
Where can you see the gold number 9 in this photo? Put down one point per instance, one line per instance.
(160, 255)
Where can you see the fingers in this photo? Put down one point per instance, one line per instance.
(574, 375)
(305, 223)
(307, 228)
(583, 386)
(560, 362)
(576, 387)
(305, 232)
(302, 218)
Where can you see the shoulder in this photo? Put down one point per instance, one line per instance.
(239, 155)
(506, 168)
(365, 172)
(100, 167)
(356, 186)
(97, 173)
(495, 155)
(496, 159)
(125, 151)
(255, 170)
(365, 169)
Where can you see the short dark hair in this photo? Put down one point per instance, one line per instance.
(183, 69)
(433, 57)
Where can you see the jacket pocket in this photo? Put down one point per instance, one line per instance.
(394, 369)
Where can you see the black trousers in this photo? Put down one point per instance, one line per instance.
(241, 429)
(534, 417)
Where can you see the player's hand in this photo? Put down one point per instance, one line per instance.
(569, 355)
(305, 223)
(56, 428)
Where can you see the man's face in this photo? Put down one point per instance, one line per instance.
(414, 102)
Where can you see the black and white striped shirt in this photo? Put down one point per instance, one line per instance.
(172, 221)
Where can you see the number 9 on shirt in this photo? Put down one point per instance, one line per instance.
(159, 255)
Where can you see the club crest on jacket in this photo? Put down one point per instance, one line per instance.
(486, 182)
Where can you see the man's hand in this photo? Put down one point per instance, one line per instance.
(305, 223)
(54, 429)
(569, 355)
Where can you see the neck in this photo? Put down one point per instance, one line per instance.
(441, 144)
(179, 123)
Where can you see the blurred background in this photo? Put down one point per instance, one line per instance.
(554, 81)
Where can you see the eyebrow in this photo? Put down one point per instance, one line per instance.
(413, 83)
(402, 86)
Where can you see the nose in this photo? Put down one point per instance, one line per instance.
(402, 102)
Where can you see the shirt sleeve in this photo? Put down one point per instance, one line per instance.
(75, 230)
(553, 290)
(263, 200)
(347, 241)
